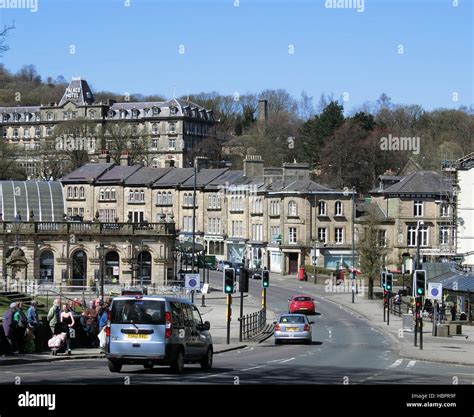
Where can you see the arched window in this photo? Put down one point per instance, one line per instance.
(338, 208)
(131, 196)
(154, 129)
(46, 266)
(101, 194)
(156, 111)
(292, 208)
(81, 192)
(159, 198)
(107, 193)
(69, 192)
(142, 195)
(322, 209)
(123, 114)
(136, 196)
(113, 194)
(75, 192)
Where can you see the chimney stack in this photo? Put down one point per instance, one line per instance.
(104, 157)
(253, 166)
(124, 159)
(262, 110)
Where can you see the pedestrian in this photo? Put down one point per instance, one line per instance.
(103, 316)
(89, 322)
(453, 312)
(67, 318)
(442, 312)
(34, 324)
(8, 326)
(53, 314)
(20, 324)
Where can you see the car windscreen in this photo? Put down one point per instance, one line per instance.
(138, 312)
(292, 319)
(302, 299)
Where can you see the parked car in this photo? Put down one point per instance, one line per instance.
(256, 273)
(301, 304)
(157, 330)
(221, 265)
(293, 327)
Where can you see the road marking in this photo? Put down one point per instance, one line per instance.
(396, 363)
(255, 367)
(411, 364)
(287, 360)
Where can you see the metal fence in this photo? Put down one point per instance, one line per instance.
(252, 324)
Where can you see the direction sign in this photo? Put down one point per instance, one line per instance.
(435, 291)
(192, 281)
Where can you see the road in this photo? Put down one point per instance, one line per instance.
(346, 349)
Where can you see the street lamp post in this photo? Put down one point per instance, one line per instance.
(353, 245)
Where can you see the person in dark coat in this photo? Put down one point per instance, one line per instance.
(454, 311)
(8, 328)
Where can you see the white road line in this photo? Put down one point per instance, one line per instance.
(411, 364)
(287, 360)
(255, 367)
(396, 363)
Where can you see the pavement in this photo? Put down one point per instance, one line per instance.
(457, 349)
(214, 311)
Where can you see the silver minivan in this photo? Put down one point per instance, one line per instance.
(157, 330)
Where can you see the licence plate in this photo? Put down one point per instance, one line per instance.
(292, 329)
(138, 336)
(303, 308)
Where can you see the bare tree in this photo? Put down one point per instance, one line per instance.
(120, 138)
(3, 34)
(371, 251)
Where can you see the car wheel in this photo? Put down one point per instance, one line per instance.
(206, 362)
(115, 366)
(178, 364)
(148, 365)
(277, 342)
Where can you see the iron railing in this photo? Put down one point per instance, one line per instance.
(253, 324)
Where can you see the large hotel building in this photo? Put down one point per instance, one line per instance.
(169, 129)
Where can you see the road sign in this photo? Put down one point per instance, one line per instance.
(435, 291)
(192, 281)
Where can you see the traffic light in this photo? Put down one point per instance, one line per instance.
(244, 280)
(389, 281)
(229, 281)
(420, 282)
(265, 279)
(385, 297)
(418, 303)
(382, 279)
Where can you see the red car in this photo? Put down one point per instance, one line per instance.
(301, 304)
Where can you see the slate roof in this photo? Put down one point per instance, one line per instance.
(78, 92)
(175, 177)
(204, 177)
(86, 173)
(146, 176)
(297, 186)
(119, 173)
(421, 182)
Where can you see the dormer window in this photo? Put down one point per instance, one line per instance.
(135, 113)
(17, 117)
(38, 117)
(173, 110)
(5, 117)
(27, 117)
(111, 113)
(123, 114)
(156, 111)
(49, 116)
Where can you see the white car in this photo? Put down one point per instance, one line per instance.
(221, 265)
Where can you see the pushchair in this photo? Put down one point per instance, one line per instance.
(58, 343)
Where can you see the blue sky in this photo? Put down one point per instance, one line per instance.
(245, 48)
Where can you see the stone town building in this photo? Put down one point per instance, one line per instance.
(271, 216)
(170, 128)
(401, 204)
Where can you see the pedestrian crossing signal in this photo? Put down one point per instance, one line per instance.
(420, 283)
